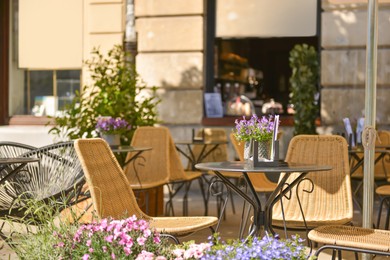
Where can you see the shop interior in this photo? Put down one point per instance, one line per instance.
(252, 74)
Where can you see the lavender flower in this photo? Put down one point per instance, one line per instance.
(260, 129)
(110, 125)
(267, 248)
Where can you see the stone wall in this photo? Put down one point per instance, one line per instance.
(343, 61)
(170, 56)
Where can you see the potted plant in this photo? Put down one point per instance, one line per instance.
(111, 129)
(304, 91)
(117, 91)
(255, 129)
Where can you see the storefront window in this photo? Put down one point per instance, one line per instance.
(255, 71)
(48, 91)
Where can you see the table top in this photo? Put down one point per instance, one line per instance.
(243, 167)
(203, 142)
(18, 160)
(378, 149)
(126, 149)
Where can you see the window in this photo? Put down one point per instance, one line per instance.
(48, 91)
(256, 69)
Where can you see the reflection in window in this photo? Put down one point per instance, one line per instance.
(49, 91)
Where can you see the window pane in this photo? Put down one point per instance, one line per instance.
(68, 81)
(41, 84)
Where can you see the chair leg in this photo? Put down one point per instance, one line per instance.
(175, 239)
(387, 218)
(185, 199)
(221, 209)
(340, 255)
(169, 204)
(378, 220)
(205, 196)
(381, 204)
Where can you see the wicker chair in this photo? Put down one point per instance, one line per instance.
(57, 177)
(219, 154)
(150, 170)
(14, 149)
(179, 178)
(10, 150)
(211, 134)
(323, 198)
(355, 239)
(384, 194)
(382, 168)
(113, 196)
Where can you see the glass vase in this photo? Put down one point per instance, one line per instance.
(264, 151)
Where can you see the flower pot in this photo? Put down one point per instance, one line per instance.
(112, 140)
(264, 150)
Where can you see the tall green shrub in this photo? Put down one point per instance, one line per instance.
(304, 79)
(117, 91)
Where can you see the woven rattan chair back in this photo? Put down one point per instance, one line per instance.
(57, 176)
(177, 172)
(110, 189)
(113, 196)
(382, 168)
(238, 147)
(330, 201)
(220, 154)
(151, 168)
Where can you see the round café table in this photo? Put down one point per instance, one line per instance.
(193, 159)
(262, 216)
(128, 149)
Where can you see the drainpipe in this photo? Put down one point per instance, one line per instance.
(130, 39)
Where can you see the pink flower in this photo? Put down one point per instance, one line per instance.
(89, 242)
(85, 257)
(90, 250)
(189, 253)
(145, 255)
(147, 232)
(129, 242)
(113, 256)
(109, 238)
(156, 239)
(178, 252)
(127, 250)
(104, 248)
(141, 241)
(143, 225)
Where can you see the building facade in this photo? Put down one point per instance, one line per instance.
(182, 47)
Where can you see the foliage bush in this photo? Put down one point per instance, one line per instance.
(131, 238)
(304, 91)
(117, 91)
